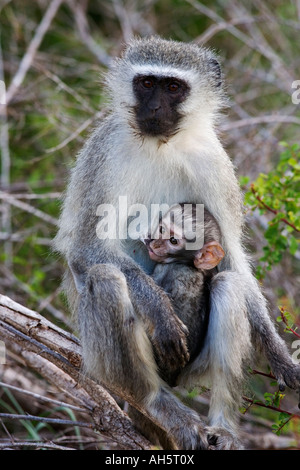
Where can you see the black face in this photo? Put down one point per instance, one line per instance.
(158, 99)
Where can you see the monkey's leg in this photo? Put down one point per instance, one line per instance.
(263, 330)
(238, 314)
(221, 362)
(229, 343)
(117, 352)
(153, 433)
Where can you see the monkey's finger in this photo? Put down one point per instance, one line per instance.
(182, 353)
(186, 354)
(183, 327)
(177, 357)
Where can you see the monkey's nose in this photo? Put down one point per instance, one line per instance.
(154, 104)
(155, 111)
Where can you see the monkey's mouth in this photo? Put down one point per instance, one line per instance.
(155, 257)
(154, 127)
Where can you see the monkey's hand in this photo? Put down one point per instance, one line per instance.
(166, 331)
(289, 375)
(169, 342)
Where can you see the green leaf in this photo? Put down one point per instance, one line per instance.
(294, 243)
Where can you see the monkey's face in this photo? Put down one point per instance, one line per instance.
(157, 111)
(160, 88)
(165, 250)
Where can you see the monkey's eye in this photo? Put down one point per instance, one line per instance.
(147, 83)
(173, 241)
(173, 87)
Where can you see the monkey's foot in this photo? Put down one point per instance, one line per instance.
(220, 439)
(289, 375)
(192, 436)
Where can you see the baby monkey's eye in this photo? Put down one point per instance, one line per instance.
(173, 241)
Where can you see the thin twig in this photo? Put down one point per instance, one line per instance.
(32, 49)
(41, 398)
(63, 86)
(270, 407)
(54, 195)
(27, 208)
(5, 166)
(267, 52)
(282, 314)
(268, 208)
(46, 445)
(253, 121)
(21, 237)
(264, 374)
(75, 134)
(85, 36)
(23, 286)
(43, 419)
(124, 19)
(224, 25)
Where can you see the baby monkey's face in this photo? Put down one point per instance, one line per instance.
(174, 249)
(165, 250)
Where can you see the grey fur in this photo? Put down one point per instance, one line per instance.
(119, 307)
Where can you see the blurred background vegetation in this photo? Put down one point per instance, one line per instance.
(52, 57)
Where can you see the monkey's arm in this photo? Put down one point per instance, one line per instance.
(166, 331)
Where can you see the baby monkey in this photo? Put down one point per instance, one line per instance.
(187, 261)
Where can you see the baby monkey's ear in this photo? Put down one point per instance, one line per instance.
(209, 256)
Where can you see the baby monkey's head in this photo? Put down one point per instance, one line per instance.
(173, 243)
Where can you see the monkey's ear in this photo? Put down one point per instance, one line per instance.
(209, 256)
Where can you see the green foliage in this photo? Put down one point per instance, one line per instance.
(283, 420)
(278, 194)
(273, 399)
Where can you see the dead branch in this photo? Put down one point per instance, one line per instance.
(42, 398)
(259, 45)
(87, 123)
(32, 49)
(27, 208)
(56, 355)
(82, 25)
(35, 445)
(259, 120)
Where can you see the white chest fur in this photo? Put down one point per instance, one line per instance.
(154, 173)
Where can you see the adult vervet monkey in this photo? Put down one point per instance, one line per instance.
(159, 145)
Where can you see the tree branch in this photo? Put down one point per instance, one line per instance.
(32, 49)
(56, 354)
(268, 208)
(285, 321)
(270, 407)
